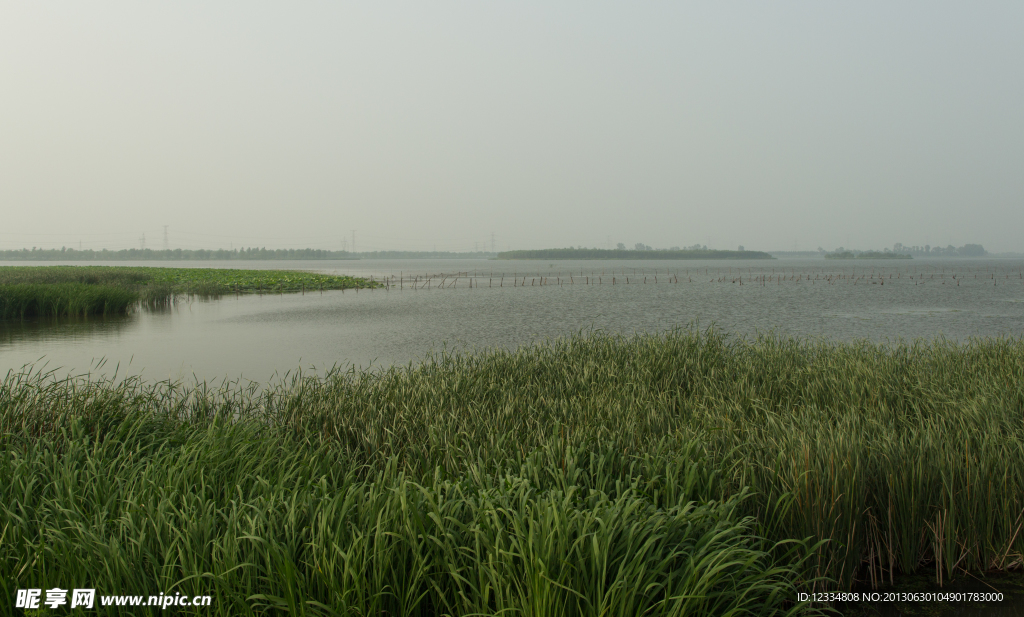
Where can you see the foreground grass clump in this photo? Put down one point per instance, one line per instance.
(63, 291)
(134, 489)
(258, 523)
(684, 473)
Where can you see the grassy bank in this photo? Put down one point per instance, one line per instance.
(670, 474)
(62, 291)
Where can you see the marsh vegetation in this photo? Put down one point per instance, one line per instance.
(79, 291)
(681, 473)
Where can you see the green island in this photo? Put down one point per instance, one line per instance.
(867, 255)
(79, 291)
(686, 473)
(573, 253)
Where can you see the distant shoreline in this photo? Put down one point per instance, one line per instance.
(866, 255)
(242, 254)
(605, 254)
(264, 254)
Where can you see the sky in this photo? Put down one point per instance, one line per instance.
(451, 125)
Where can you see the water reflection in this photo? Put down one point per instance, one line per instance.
(53, 329)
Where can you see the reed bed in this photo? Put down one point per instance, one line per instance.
(25, 300)
(63, 291)
(682, 473)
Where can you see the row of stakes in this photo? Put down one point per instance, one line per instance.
(448, 281)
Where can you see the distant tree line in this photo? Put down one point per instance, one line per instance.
(967, 250)
(66, 254)
(900, 251)
(425, 255)
(887, 254)
(621, 253)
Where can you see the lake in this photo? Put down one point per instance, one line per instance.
(256, 337)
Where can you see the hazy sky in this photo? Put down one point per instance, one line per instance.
(435, 124)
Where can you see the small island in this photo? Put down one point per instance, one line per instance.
(621, 253)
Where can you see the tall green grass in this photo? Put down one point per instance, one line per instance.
(88, 275)
(685, 473)
(24, 300)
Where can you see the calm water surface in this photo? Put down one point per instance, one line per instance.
(256, 337)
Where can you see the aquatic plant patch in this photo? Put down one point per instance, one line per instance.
(61, 291)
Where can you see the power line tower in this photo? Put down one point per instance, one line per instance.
(492, 241)
(353, 241)
(167, 245)
(142, 242)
